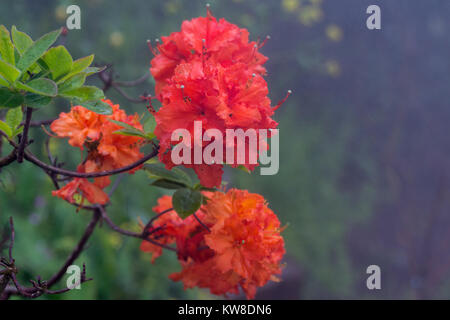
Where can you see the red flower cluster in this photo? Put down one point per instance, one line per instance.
(105, 150)
(210, 72)
(242, 248)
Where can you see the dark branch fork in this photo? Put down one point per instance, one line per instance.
(42, 287)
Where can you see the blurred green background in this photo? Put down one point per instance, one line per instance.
(364, 147)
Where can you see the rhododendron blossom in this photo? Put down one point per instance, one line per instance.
(106, 150)
(210, 72)
(218, 41)
(239, 244)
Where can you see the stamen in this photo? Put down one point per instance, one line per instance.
(149, 44)
(185, 98)
(282, 101)
(204, 51)
(250, 81)
(149, 107)
(208, 16)
(264, 42)
(253, 53)
(47, 132)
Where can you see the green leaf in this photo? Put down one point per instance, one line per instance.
(37, 49)
(8, 71)
(78, 66)
(42, 86)
(14, 117)
(167, 184)
(84, 93)
(6, 46)
(3, 82)
(198, 186)
(98, 106)
(10, 99)
(36, 101)
(17, 130)
(243, 168)
(22, 41)
(186, 202)
(41, 64)
(72, 83)
(5, 128)
(128, 130)
(59, 61)
(177, 175)
(149, 124)
(82, 63)
(92, 70)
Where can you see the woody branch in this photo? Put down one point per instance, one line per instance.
(9, 284)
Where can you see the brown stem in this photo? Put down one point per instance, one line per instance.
(24, 139)
(40, 123)
(30, 157)
(13, 237)
(126, 96)
(41, 287)
(150, 222)
(201, 223)
(77, 250)
(8, 159)
(133, 83)
(130, 233)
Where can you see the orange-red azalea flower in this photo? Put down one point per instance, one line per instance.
(106, 150)
(219, 41)
(210, 72)
(242, 248)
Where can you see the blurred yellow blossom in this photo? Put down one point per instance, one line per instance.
(334, 33)
(308, 15)
(333, 68)
(171, 7)
(53, 146)
(246, 20)
(114, 240)
(116, 39)
(60, 13)
(290, 5)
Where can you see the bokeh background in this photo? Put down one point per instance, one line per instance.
(364, 155)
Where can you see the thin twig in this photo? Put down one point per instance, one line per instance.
(43, 286)
(30, 157)
(130, 233)
(150, 222)
(126, 96)
(8, 159)
(24, 139)
(11, 242)
(40, 123)
(201, 223)
(116, 184)
(134, 82)
(78, 249)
